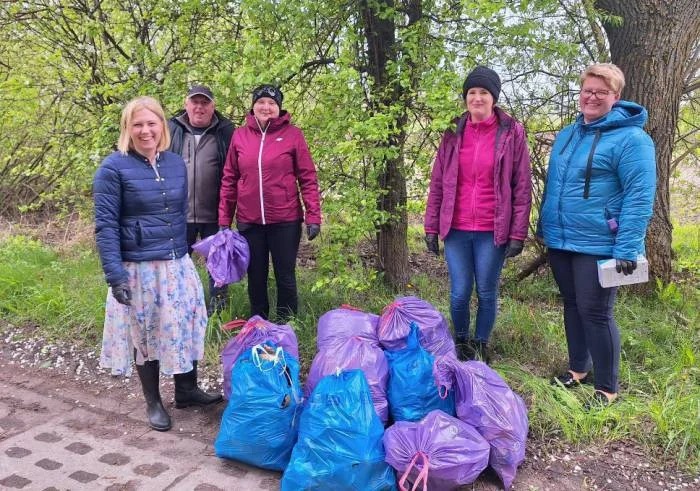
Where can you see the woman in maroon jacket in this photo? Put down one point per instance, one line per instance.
(268, 165)
(479, 205)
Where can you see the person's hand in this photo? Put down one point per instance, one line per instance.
(122, 293)
(312, 230)
(431, 242)
(514, 247)
(624, 266)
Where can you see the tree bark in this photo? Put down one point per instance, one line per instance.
(392, 245)
(652, 46)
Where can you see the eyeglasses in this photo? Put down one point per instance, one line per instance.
(598, 94)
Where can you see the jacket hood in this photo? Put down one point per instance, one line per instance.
(276, 123)
(623, 113)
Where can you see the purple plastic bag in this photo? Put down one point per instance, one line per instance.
(484, 400)
(348, 355)
(395, 326)
(440, 450)
(346, 322)
(255, 331)
(227, 256)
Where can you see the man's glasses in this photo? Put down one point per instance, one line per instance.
(598, 94)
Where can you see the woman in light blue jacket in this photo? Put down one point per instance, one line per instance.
(597, 203)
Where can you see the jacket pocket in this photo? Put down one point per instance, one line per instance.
(139, 235)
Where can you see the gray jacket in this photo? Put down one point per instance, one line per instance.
(205, 162)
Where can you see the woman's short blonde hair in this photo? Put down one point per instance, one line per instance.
(609, 72)
(143, 102)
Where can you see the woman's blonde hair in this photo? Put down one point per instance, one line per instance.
(143, 102)
(609, 72)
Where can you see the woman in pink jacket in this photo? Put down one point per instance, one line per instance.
(479, 205)
(267, 167)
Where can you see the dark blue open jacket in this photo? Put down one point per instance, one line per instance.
(138, 216)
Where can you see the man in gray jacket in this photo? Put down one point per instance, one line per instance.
(201, 135)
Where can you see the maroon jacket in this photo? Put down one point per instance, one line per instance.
(264, 174)
(511, 179)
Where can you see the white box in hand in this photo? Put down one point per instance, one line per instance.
(608, 276)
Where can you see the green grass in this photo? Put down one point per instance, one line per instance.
(659, 408)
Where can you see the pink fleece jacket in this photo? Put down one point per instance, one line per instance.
(475, 204)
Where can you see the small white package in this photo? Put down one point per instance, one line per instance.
(608, 276)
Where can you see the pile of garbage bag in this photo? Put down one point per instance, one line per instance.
(386, 403)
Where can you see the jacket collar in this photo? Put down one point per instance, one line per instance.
(273, 125)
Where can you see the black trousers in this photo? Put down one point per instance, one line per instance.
(281, 241)
(195, 232)
(591, 332)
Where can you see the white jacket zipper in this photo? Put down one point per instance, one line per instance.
(260, 178)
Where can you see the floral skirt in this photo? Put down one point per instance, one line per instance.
(166, 321)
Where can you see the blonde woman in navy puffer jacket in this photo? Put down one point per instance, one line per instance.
(155, 305)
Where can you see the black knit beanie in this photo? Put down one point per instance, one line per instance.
(270, 91)
(485, 78)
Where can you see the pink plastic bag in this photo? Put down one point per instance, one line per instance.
(440, 451)
(346, 322)
(227, 256)
(351, 354)
(255, 331)
(484, 400)
(395, 326)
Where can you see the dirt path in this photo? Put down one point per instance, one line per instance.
(67, 424)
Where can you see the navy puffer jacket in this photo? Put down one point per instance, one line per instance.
(139, 216)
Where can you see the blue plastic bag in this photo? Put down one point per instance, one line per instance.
(261, 422)
(412, 391)
(340, 440)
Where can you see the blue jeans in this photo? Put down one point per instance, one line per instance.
(472, 256)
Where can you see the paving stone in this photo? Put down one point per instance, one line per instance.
(114, 459)
(48, 464)
(83, 477)
(79, 448)
(17, 452)
(151, 470)
(231, 469)
(123, 486)
(269, 483)
(9, 423)
(207, 487)
(15, 481)
(48, 437)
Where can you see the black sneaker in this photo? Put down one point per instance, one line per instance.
(598, 401)
(568, 381)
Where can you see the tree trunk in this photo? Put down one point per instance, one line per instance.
(392, 246)
(652, 47)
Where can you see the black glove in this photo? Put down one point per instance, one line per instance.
(431, 242)
(514, 247)
(122, 293)
(625, 266)
(312, 230)
(222, 228)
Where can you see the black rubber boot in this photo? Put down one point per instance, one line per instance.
(482, 351)
(188, 394)
(158, 417)
(465, 349)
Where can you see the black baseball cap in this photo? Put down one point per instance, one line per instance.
(200, 90)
